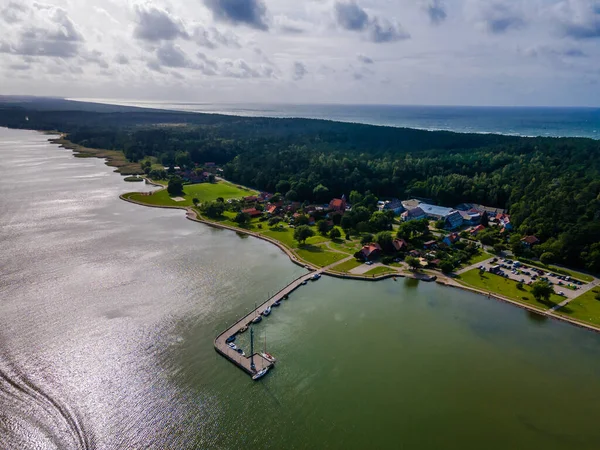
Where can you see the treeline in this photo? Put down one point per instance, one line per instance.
(550, 186)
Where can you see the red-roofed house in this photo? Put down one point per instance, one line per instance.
(530, 241)
(272, 209)
(477, 229)
(369, 252)
(252, 212)
(451, 239)
(338, 204)
(399, 244)
(251, 198)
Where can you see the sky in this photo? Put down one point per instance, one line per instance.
(406, 52)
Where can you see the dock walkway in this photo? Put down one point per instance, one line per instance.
(243, 362)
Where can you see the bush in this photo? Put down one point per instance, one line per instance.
(547, 258)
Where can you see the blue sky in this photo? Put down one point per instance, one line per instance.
(456, 52)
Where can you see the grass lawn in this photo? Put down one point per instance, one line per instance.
(318, 255)
(506, 287)
(479, 258)
(205, 192)
(346, 246)
(585, 308)
(286, 236)
(348, 265)
(379, 271)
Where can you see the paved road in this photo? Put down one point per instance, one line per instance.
(475, 266)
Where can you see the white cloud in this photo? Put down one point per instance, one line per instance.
(472, 51)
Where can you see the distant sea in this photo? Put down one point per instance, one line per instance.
(521, 121)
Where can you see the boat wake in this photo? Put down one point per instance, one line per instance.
(33, 418)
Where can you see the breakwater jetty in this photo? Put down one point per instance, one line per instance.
(260, 362)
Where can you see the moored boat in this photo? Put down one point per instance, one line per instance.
(267, 311)
(230, 339)
(268, 357)
(277, 303)
(261, 373)
(257, 319)
(303, 282)
(233, 346)
(243, 329)
(316, 276)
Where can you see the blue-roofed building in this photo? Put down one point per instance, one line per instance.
(435, 212)
(454, 220)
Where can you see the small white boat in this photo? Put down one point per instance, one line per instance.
(232, 345)
(303, 282)
(260, 373)
(316, 276)
(268, 357)
(257, 319)
(267, 311)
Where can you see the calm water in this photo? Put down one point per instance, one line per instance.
(580, 122)
(108, 311)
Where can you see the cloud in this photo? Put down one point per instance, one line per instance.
(364, 59)
(12, 12)
(435, 9)
(241, 69)
(579, 19)
(171, 55)
(497, 17)
(213, 38)
(240, 12)
(50, 32)
(154, 24)
(96, 57)
(287, 25)
(120, 58)
(350, 16)
(549, 51)
(299, 71)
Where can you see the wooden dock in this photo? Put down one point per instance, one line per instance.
(243, 362)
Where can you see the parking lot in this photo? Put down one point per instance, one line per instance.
(563, 285)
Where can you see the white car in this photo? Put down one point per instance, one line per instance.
(561, 293)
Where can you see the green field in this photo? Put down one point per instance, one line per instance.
(506, 287)
(348, 265)
(479, 258)
(318, 255)
(286, 236)
(205, 192)
(379, 271)
(585, 308)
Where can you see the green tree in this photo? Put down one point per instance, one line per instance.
(355, 198)
(302, 233)
(211, 178)
(301, 220)
(384, 239)
(413, 262)
(274, 221)
(347, 223)
(242, 218)
(323, 227)
(541, 290)
(380, 221)
(212, 209)
(366, 239)
(335, 234)
(516, 246)
(446, 266)
(283, 186)
(547, 258)
(175, 186)
(321, 193)
(291, 195)
(440, 224)
(520, 285)
(195, 201)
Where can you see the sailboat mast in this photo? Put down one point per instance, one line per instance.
(252, 366)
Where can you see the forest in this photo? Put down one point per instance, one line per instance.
(550, 186)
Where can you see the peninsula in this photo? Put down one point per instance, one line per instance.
(502, 215)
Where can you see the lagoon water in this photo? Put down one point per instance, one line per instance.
(108, 311)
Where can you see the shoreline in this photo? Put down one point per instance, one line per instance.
(194, 216)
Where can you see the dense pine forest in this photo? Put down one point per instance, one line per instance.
(550, 186)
